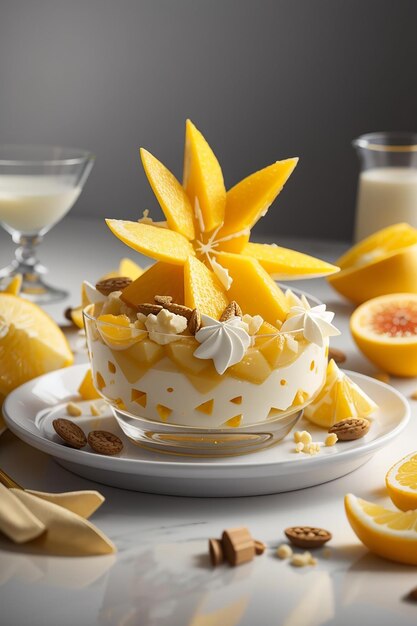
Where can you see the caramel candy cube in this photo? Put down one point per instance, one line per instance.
(238, 546)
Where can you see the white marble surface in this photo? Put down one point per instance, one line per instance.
(161, 574)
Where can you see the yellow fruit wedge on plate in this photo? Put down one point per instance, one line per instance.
(159, 243)
(130, 269)
(160, 279)
(385, 262)
(339, 399)
(401, 482)
(77, 316)
(202, 289)
(385, 330)
(285, 264)
(203, 179)
(170, 194)
(87, 389)
(390, 534)
(253, 288)
(14, 285)
(31, 343)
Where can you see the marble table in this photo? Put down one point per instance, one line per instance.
(161, 574)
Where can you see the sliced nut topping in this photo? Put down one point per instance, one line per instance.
(163, 300)
(147, 308)
(179, 309)
(350, 429)
(108, 285)
(194, 323)
(307, 536)
(232, 310)
(337, 355)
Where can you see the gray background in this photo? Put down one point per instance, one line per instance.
(262, 79)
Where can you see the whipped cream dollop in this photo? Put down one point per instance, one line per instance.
(223, 342)
(165, 327)
(314, 322)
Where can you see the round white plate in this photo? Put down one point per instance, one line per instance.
(30, 409)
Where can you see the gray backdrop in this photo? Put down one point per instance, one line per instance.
(262, 79)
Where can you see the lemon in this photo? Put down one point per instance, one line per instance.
(339, 399)
(401, 481)
(385, 330)
(31, 343)
(385, 262)
(390, 534)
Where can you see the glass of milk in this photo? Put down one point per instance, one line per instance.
(38, 186)
(387, 189)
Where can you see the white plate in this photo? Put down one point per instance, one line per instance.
(29, 411)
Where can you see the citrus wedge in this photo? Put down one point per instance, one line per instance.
(339, 399)
(390, 534)
(117, 333)
(385, 262)
(285, 264)
(385, 329)
(31, 343)
(401, 482)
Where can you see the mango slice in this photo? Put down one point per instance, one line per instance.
(250, 199)
(203, 179)
(253, 288)
(158, 243)
(87, 389)
(130, 269)
(170, 195)
(202, 289)
(282, 263)
(160, 279)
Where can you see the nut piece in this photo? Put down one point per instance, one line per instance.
(301, 560)
(238, 545)
(108, 285)
(337, 355)
(260, 547)
(194, 323)
(330, 440)
(179, 309)
(232, 310)
(147, 308)
(351, 428)
(163, 300)
(307, 536)
(67, 314)
(104, 442)
(73, 409)
(284, 551)
(216, 552)
(94, 409)
(69, 432)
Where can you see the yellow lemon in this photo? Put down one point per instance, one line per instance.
(390, 534)
(385, 329)
(339, 399)
(401, 481)
(31, 343)
(385, 262)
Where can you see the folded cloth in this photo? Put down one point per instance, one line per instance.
(53, 523)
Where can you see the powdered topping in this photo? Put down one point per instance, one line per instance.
(223, 342)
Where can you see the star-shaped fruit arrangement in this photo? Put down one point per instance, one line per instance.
(204, 258)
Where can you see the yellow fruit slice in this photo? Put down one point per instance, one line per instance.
(250, 199)
(384, 263)
(117, 332)
(390, 534)
(77, 316)
(87, 389)
(159, 243)
(202, 290)
(401, 482)
(31, 343)
(385, 330)
(253, 288)
(339, 399)
(170, 195)
(285, 264)
(130, 269)
(14, 285)
(160, 279)
(203, 179)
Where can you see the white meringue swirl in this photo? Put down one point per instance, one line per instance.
(314, 322)
(223, 342)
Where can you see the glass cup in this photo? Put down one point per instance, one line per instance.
(387, 188)
(167, 400)
(38, 186)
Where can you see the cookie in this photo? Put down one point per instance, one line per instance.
(103, 442)
(69, 432)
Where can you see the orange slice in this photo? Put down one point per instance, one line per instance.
(203, 178)
(390, 534)
(159, 243)
(160, 279)
(401, 482)
(385, 330)
(202, 290)
(170, 195)
(117, 333)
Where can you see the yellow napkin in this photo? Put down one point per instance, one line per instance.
(53, 523)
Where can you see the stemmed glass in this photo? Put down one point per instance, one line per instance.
(38, 186)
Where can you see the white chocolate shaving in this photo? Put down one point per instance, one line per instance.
(165, 327)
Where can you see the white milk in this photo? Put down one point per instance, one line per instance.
(30, 204)
(386, 195)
